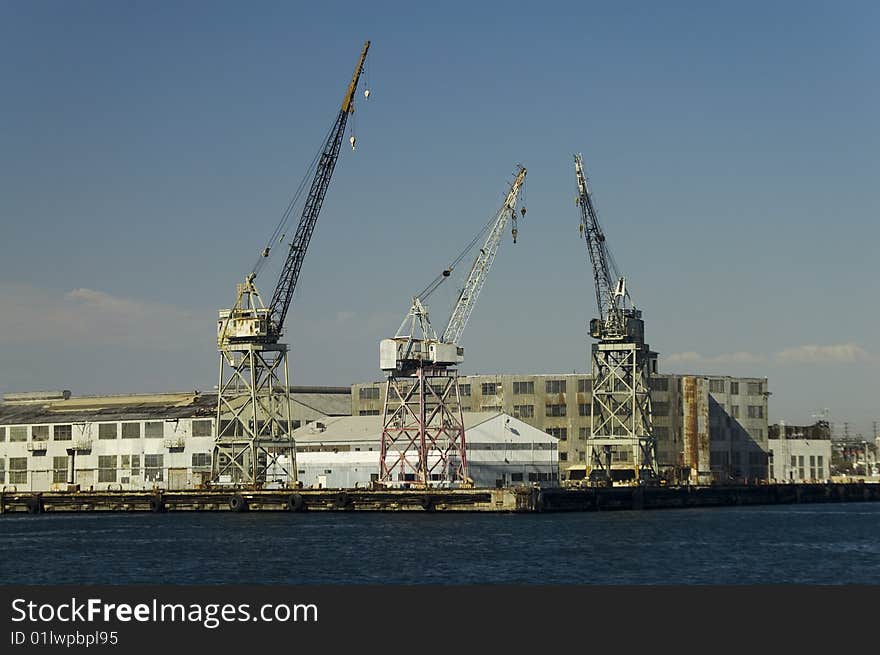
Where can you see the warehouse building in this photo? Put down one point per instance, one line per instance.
(800, 453)
(708, 428)
(502, 450)
(49, 440)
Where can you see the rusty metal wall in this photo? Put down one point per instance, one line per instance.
(695, 427)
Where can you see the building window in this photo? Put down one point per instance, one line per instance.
(18, 470)
(369, 393)
(201, 460)
(490, 408)
(2, 471)
(131, 430)
(107, 468)
(153, 468)
(524, 411)
(154, 430)
(135, 464)
(660, 384)
(59, 469)
(559, 433)
(107, 431)
(464, 389)
(585, 385)
(660, 409)
(661, 432)
(2, 433)
(523, 388)
(563, 457)
(202, 428)
(619, 454)
(734, 388)
(583, 409)
(821, 466)
(734, 411)
(582, 456)
(40, 432)
(812, 467)
(17, 433)
(583, 433)
(756, 411)
(716, 386)
(555, 410)
(754, 388)
(758, 433)
(62, 433)
(489, 388)
(554, 386)
(516, 477)
(801, 469)
(368, 412)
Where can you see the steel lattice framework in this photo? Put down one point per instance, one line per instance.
(620, 413)
(254, 443)
(423, 438)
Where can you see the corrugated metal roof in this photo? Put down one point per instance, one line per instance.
(369, 429)
(329, 404)
(112, 408)
(331, 401)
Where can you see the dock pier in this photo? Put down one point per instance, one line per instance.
(517, 499)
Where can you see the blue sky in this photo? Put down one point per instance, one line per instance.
(148, 149)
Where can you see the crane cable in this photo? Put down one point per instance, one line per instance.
(281, 228)
(447, 272)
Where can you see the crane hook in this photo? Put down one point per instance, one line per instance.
(366, 94)
(523, 211)
(514, 231)
(352, 140)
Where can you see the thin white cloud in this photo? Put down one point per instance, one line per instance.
(691, 358)
(86, 316)
(838, 353)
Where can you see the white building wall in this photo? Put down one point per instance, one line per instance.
(501, 450)
(800, 460)
(170, 453)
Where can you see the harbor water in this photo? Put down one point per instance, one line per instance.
(814, 544)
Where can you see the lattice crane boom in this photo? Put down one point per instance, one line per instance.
(250, 321)
(611, 292)
(283, 294)
(476, 278)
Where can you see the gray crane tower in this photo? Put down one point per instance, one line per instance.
(254, 445)
(423, 437)
(621, 444)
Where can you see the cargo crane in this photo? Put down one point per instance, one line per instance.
(253, 444)
(423, 436)
(621, 442)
